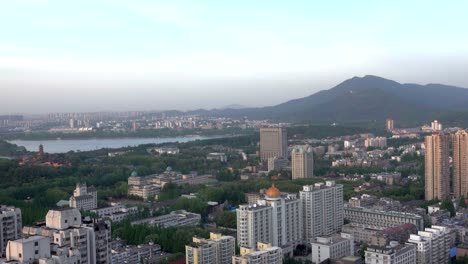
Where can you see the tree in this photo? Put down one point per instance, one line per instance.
(362, 251)
(226, 219)
(448, 205)
(462, 202)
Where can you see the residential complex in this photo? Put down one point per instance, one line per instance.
(322, 209)
(116, 213)
(332, 247)
(460, 163)
(125, 254)
(218, 249)
(66, 231)
(84, 198)
(437, 171)
(432, 245)
(10, 226)
(148, 187)
(174, 218)
(394, 253)
(302, 162)
(276, 220)
(273, 143)
(264, 254)
(378, 142)
(379, 218)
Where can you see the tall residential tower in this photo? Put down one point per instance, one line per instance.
(460, 164)
(322, 209)
(273, 143)
(437, 180)
(302, 162)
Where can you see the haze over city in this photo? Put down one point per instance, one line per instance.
(158, 55)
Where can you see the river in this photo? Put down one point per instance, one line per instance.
(66, 145)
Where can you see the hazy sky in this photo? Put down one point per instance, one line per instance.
(140, 55)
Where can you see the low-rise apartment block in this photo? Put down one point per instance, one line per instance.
(380, 218)
(332, 247)
(175, 218)
(265, 254)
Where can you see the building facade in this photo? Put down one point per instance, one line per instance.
(332, 247)
(322, 209)
(302, 162)
(65, 230)
(460, 163)
(378, 218)
(84, 197)
(389, 124)
(265, 254)
(433, 245)
(174, 218)
(391, 254)
(218, 249)
(276, 220)
(437, 180)
(273, 143)
(10, 226)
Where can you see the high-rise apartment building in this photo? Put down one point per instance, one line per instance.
(302, 161)
(218, 249)
(437, 180)
(276, 220)
(273, 143)
(265, 254)
(84, 198)
(322, 209)
(389, 124)
(432, 245)
(460, 163)
(436, 126)
(377, 142)
(10, 225)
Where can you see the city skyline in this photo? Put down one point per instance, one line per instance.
(181, 55)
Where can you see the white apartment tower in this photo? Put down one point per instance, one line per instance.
(322, 209)
(276, 220)
(218, 249)
(302, 161)
(10, 226)
(423, 248)
(439, 244)
(84, 198)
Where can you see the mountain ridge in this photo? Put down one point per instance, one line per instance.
(369, 98)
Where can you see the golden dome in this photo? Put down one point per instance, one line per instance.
(273, 192)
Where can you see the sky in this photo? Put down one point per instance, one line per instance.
(116, 55)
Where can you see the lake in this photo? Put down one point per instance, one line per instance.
(66, 145)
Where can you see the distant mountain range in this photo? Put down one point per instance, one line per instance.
(367, 99)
